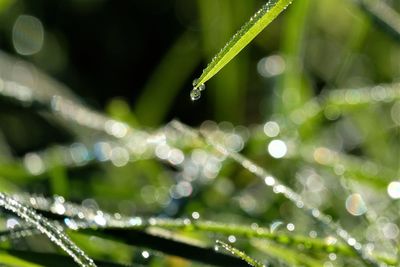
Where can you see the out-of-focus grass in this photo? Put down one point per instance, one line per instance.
(336, 147)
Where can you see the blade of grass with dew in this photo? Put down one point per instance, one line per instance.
(219, 20)
(242, 38)
(47, 228)
(315, 245)
(240, 254)
(103, 248)
(292, 258)
(146, 224)
(167, 245)
(280, 188)
(72, 210)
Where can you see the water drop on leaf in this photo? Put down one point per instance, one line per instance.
(201, 87)
(195, 94)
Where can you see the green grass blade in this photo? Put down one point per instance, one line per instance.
(288, 256)
(168, 244)
(239, 254)
(227, 102)
(242, 38)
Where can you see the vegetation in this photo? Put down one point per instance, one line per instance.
(289, 158)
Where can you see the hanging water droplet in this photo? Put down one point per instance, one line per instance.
(197, 88)
(195, 94)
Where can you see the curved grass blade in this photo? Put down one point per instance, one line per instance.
(147, 226)
(243, 37)
(280, 188)
(56, 235)
(288, 256)
(168, 245)
(240, 254)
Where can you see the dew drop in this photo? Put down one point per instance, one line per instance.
(393, 190)
(355, 205)
(195, 94)
(202, 87)
(145, 254)
(197, 88)
(232, 239)
(274, 226)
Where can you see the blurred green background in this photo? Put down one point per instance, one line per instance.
(136, 60)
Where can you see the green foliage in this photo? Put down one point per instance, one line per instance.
(242, 38)
(311, 179)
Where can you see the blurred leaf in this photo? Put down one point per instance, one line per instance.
(166, 81)
(36, 259)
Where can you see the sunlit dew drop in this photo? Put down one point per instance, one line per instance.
(34, 163)
(202, 87)
(355, 205)
(332, 256)
(275, 225)
(390, 231)
(176, 156)
(99, 219)
(232, 239)
(195, 215)
(135, 221)
(271, 66)
(70, 223)
(79, 153)
(116, 128)
(145, 254)
(313, 234)
(271, 129)
(269, 180)
(119, 156)
(195, 94)
(58, 208)
(277, 149)
(11, 223)
(27, 35)
(102, 151)
(394, 190)
(290, 227)
(351, 241)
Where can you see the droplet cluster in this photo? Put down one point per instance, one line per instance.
(55, 234)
